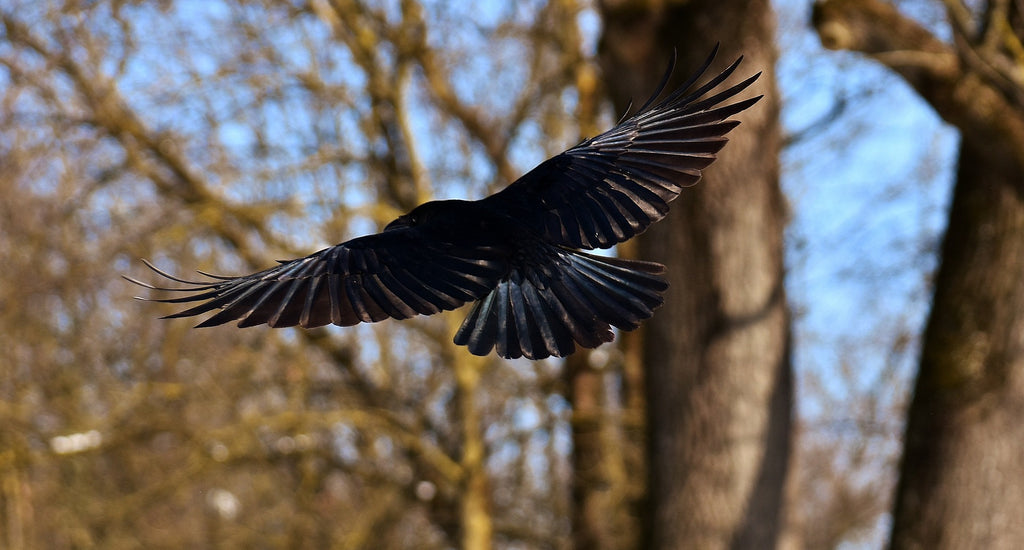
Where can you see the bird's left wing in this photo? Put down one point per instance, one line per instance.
(398, 273)
(611, 187)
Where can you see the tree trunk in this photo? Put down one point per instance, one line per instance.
(475, 519)
(719, 380)
(962, 472)
(962, 477)
(605, 485)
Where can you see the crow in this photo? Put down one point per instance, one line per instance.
(518, 254)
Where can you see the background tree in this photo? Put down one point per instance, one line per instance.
(716, 359)
(963, 458)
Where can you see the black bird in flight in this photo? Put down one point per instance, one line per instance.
(518, 254)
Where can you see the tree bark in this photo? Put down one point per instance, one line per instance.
(961, 476)
(719, 381)
(604, 489)
(475, 521)
(962, 472)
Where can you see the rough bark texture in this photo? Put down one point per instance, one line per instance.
(962, 474)
(719, 380)
(963, 465)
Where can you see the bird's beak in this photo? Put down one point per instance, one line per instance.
(399, 223)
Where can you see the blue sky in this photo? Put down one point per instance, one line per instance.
(869, 195)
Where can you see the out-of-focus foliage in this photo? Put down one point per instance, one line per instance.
(223, 135)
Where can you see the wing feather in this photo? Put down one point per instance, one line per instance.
(640, 165)
(558, 299)
(395, 274)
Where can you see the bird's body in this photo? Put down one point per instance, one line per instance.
(518, 254)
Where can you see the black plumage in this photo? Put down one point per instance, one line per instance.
(518, 254)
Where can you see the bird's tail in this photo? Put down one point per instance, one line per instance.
(575, 298)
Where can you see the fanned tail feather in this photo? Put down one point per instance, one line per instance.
(575, 299)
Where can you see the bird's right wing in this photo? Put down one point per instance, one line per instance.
(613, 186)
(398, 273)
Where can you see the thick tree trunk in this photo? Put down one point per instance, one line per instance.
(962, 478)
(719, 379)
(962, 473)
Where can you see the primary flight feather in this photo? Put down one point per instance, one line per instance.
(518, 254)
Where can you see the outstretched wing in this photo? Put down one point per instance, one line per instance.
(398, 273)
(612, 187)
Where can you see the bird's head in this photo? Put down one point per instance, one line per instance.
(424, 213)
(405, 220)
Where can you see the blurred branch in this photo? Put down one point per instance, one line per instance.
(494, 141)
(822, 123)
(476, 521)
(964, 86)
(418, 172)
(374, 421)
(171, 172)
(354, 24)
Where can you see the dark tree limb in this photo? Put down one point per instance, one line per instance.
(959, 83)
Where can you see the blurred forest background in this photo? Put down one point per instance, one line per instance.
(829, 369)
